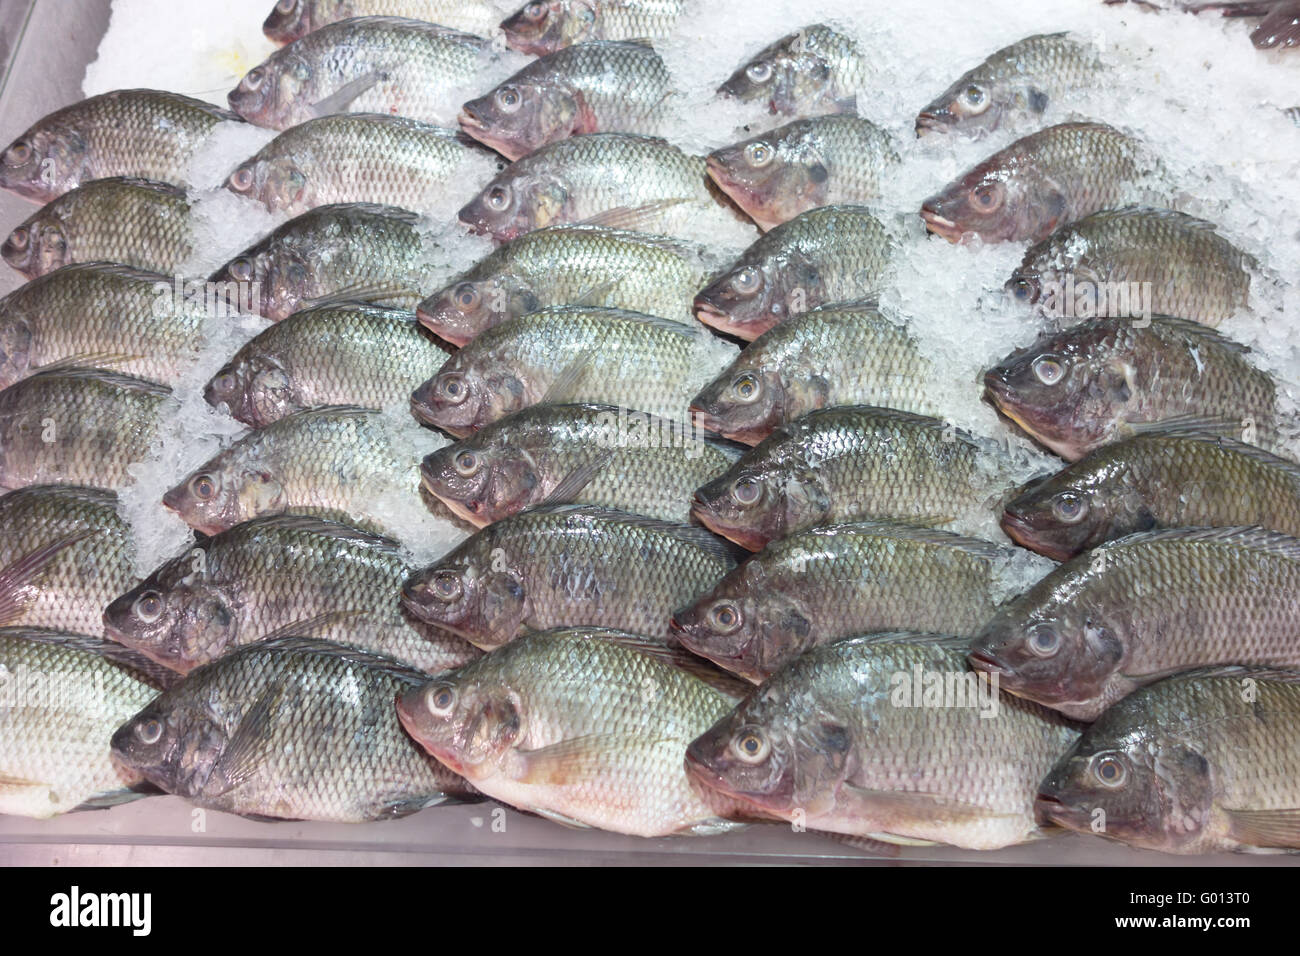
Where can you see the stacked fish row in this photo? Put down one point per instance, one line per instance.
(588, 653)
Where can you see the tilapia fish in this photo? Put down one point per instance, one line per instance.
(358, 157)
(1133, 262)
(623, 180)
(836, 581)
(147, 134)
(95, 313)
(349, 355)
(1164, 477)
(886, 736)
(1197, 763)
(565, 566)
(351, 252)
(1146, 605)
(848, 354)
(1049, 178)
(831, 254)
(78, 427)
(1079, 389)
(851, 463)
(565, 265)
(273, 575)
(64, 695)
(293, 19)
(584, 727)
(813, 71)
(580, 453)
(362, 65)
(134, 222)
(1014, 87)
(598, 87)
(64, 554)
(292, 728)
(544, 26)
(570, 354)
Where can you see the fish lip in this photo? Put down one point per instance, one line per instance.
(941, 226)
(713, 317)
(988, 664)
(705, 419)
(468, 120)
(1020, 531)
(929, 122)
(1048, 809)
(997, 389)
(748, 540)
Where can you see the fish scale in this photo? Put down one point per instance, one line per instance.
(544, 26)
(813, 71)
(291, 20)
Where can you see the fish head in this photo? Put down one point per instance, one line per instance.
(229, 489)
(178, 617)
(482, 602)
(470, 307)
(278, 184)
(463, 397)
(791, 76)
(973, 106)
(271, 93)
(723, 626)
(38, 246)
(15, 349)
(744, 404)
(482, 483)
(1088, 503)
(753, 296)
(43, 163)
(1026, 284)
(468, 724)
(289, 20)
(522, 115)
(773, 177)
(173, 745)
(758, 501)
(244, 281)
(544, 26)
(255, 388)
(514, 204)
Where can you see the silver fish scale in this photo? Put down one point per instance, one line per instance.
(583, 21)
(625, 84)
(848, 246)
(1094, 166)
(855, 152)
(476, 16)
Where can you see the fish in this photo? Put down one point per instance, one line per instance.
(822, 161)
(1134, 262)
(540, 27)
(132, 222)
(846, 354)
(74, 426)
(1144, 606)
(1198, 763)
(284, 573)
(1165, 476)
(836, 581)
(358, 355)
(65, 553)
(885, 736)
(596, 87)
(292, 20)
(623, 180)
(851, 463)
(143, 134)
(291, 729)
(1280, 27)
(566, 566)
(581, 453)
(389, 65)
(357, 157)
(65, 695)
(569, 354)
(569, 265)
(141, 323)
(1076, 390)
(1014, 87)
(349, 252)
(826, 255)
(1046, 180)
(584, 727)
(813, 71)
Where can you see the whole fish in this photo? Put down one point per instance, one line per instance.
(836, 581)
(597, 87)
(1046, 180)
(146, 134)
(133, 222)
(78, 427)
(622, 180)
(570, 354)
(565, 566)
(813, 71)
(64, 555)
(850, 463)
(100, 312)
(1079, 389)
(362, 65)
(540, 27)
(1147, 605)
(293, 728)
(64, 696)
(293, 19)
(847, 354)
(1197, 763)
(582, 726)
(1164, 477)
(826, 255)
(272, 575)
(844, 739)
(569, 265)
(1133, 262)
(356, 157)
(350, 252)
(348, 355)
(1014, 87)
(808, 163)
(582, 453)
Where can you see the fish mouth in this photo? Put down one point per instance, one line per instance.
(999, 392)
(929, 122)
(705, 419)
(1019, 530)
(988, 664)
(941, 226)
(1048, 809)
(471, 511)
(714, 317)
(469, 122)
(703, 512)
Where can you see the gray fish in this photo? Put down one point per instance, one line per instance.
(293, 19)
(544, 26)
(813, 71)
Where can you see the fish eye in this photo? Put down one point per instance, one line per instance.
(750, 746)
(1022, 289)
(18, 154)
(746, 281)
(988, 197)
(224, 383)
(148, 607)
(758, 155)
(286, 6)
(19, 238)
(203, 487)
(440, 699)
(446, 586)
(724, 617)
(253, 78)
(508, 99)
(1069, 508)
(498, 198)
(241, 180)
(241, 270)
(1044, 641)
(746, 387)
(746, 490)
(466, 464)
(759, 72)
(535, 11)
(1109, 770)
(452, 389)
(1048, 370)
(149, 731)
(974, 97)
(466, 296)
